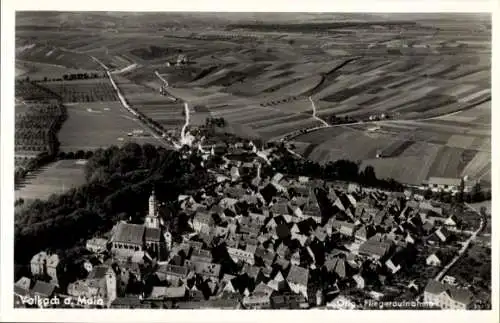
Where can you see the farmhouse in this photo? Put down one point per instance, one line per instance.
(437, 184)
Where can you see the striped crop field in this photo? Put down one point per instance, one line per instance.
(410, 151)
(57, 56)
(92, 90)
(428, 81)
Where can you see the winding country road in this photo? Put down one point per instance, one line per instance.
(326, 124)
(165, 82)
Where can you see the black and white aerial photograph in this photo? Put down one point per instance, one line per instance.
(225, 160)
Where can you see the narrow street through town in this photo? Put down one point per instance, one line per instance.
(466, 245)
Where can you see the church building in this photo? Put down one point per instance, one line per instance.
(129, 238)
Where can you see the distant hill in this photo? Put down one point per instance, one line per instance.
(91, 19)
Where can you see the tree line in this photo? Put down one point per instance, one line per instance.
(340, 170)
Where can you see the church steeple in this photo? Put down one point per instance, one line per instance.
(152, 204)
(152, 220)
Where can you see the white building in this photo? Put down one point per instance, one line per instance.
(452, 185)
(433, 260)
(96, 245)
(39, 264)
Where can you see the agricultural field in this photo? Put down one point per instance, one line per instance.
(427, 81)
(92, 90)
(29, 91)
(55, 56)
(54, 178)
(451, 146)
(36, 128)
(44, 71)
(97, 125)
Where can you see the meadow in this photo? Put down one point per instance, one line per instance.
(54, 178)
(98, 125)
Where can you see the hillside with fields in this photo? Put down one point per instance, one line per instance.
(409, 95)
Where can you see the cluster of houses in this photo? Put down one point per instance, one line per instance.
(258, 242)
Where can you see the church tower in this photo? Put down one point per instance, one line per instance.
(152, 220)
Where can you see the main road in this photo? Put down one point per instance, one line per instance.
(145, 125)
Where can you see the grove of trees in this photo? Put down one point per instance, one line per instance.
(341, 170)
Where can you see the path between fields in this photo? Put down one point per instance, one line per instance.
(165, 82)
(465, 246)
(127, 106)
(326, 124)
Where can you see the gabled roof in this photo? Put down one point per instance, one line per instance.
(461, 295)
(24, 283)
(97, 242)
(307, 225)
(39, 257)
(282, 230)
(282, 249)
(361, 232)
(320, 234)
(173, 270)
(433, 256)
(152, 234)
(280, 208)
(251, 271)
(202, 254)
(129, 233)
(204, 268)
(43, 288)
(168, 292)
(282, 262)
(263, 288)
(204, 217)
(98, 272)
(264, 254)
(302, 239)
(298, 275)
(129, 302)
(343, 224)
(337, 265)
(375, 247)
(428, 226)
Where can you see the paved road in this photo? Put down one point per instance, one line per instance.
(465, 246)
(127, 107)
